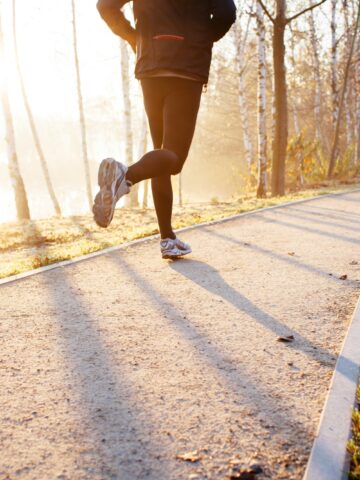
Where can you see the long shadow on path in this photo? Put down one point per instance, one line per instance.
(296, 213)
(233, 296)
(113, 417)
(210, 279)
(288, 259)
(240, 383)
(311, 211)
(315, 208)
(304, 228)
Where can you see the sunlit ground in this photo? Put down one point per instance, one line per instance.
(28, 245)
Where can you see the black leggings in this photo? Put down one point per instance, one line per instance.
(172, 105)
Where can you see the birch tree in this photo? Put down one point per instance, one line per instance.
(347, 100)
(299, 160)
(35, 135)
(141, 151)
(334, 65)
(317, 77)
(262, 140)
(180, 187)
(129, 141)
(357, 101)
(295, 96)
(335, 148)
(21, 201)
(240, 42)
(280, 21)
(81, 109)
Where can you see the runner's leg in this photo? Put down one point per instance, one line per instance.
(180, 113)
(157, 162)
(172, 105)
(161, 185)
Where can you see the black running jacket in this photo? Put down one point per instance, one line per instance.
(176, 35)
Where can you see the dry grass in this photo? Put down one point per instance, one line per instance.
(28, 245)
(354, 443)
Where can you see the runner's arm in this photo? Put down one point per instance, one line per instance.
(110, 11)
(223, 16)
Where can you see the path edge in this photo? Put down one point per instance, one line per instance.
(329, 459)
(82, 258)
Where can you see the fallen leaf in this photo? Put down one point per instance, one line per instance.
(189, 456)
(287, 339)
(247, 473)
(343, 277)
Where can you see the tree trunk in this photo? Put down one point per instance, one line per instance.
(180, 190)
(141, 151)
(145, 203)
(318, 83)
(125, 76)
(21, 201)
(281, 109)
(262, 140)
(348, 103)
(300, 154)
(335, 148)
(34, 132)
(334, 66)
(240, 44)
(81, 111)
(357, 102)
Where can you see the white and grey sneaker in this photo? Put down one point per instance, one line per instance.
(113, 185)
(174, 248)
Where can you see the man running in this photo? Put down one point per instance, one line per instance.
(173, 41)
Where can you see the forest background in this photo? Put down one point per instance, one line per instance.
(73, 100)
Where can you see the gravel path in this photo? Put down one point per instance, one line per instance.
(112, 367)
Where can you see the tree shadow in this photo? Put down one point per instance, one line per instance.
(210, 279)
(314, 212)
(240, 383)
(347, 197)
(290, 260)
(298, 213)
(316, 231)
(334, 210)
(100, 392)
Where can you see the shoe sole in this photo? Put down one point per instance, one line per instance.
(105, 200)
(170, 256)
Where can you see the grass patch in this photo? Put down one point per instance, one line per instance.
(354, 444)
(25, 246)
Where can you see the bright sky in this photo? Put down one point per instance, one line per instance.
(44, 31)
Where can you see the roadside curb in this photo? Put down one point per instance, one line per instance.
(329, 459)
(105, 251)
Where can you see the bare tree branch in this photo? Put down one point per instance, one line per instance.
(271, 18)
(288, 20)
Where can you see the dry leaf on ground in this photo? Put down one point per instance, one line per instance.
(189, 456)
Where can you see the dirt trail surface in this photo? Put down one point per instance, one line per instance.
(112, 367)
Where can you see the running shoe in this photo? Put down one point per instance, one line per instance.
(113, 185)
(174, 248)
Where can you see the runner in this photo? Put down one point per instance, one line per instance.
(173, 41)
